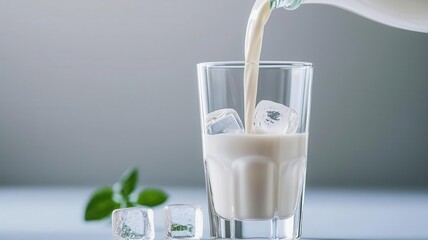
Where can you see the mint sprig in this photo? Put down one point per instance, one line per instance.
(151, 197)
(106, 199)
(128, 182)
(101, 204)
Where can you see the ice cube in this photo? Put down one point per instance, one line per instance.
(183, 221)
(133, 223)
(224, 121)
(272, 117)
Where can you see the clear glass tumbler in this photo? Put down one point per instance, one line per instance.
(255, 182)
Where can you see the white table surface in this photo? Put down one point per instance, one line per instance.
(57, 213)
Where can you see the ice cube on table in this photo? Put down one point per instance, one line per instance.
(133, 223)
(224, 121)
(183, 221)
(276, 118)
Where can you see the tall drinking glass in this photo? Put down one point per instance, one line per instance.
(255, 182)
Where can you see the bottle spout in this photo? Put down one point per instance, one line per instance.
(287, 4)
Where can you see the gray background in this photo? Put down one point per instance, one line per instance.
(90, 88)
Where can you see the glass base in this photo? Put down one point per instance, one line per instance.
(275, 228)
(255, 229)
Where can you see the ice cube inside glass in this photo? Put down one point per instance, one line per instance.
(224, 121)
(133, 223)
(183, 221)
(275, 118)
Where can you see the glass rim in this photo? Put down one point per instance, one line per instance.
(263, 64)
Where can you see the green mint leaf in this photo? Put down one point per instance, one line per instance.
(152, 197)
(101, 204)
(128, 182)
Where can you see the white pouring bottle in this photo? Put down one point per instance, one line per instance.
(406, 14)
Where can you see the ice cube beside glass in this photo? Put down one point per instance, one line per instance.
(183, 221)
(224, 121)
(275, 118)
(133, 223)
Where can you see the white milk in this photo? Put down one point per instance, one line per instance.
(256, 176)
